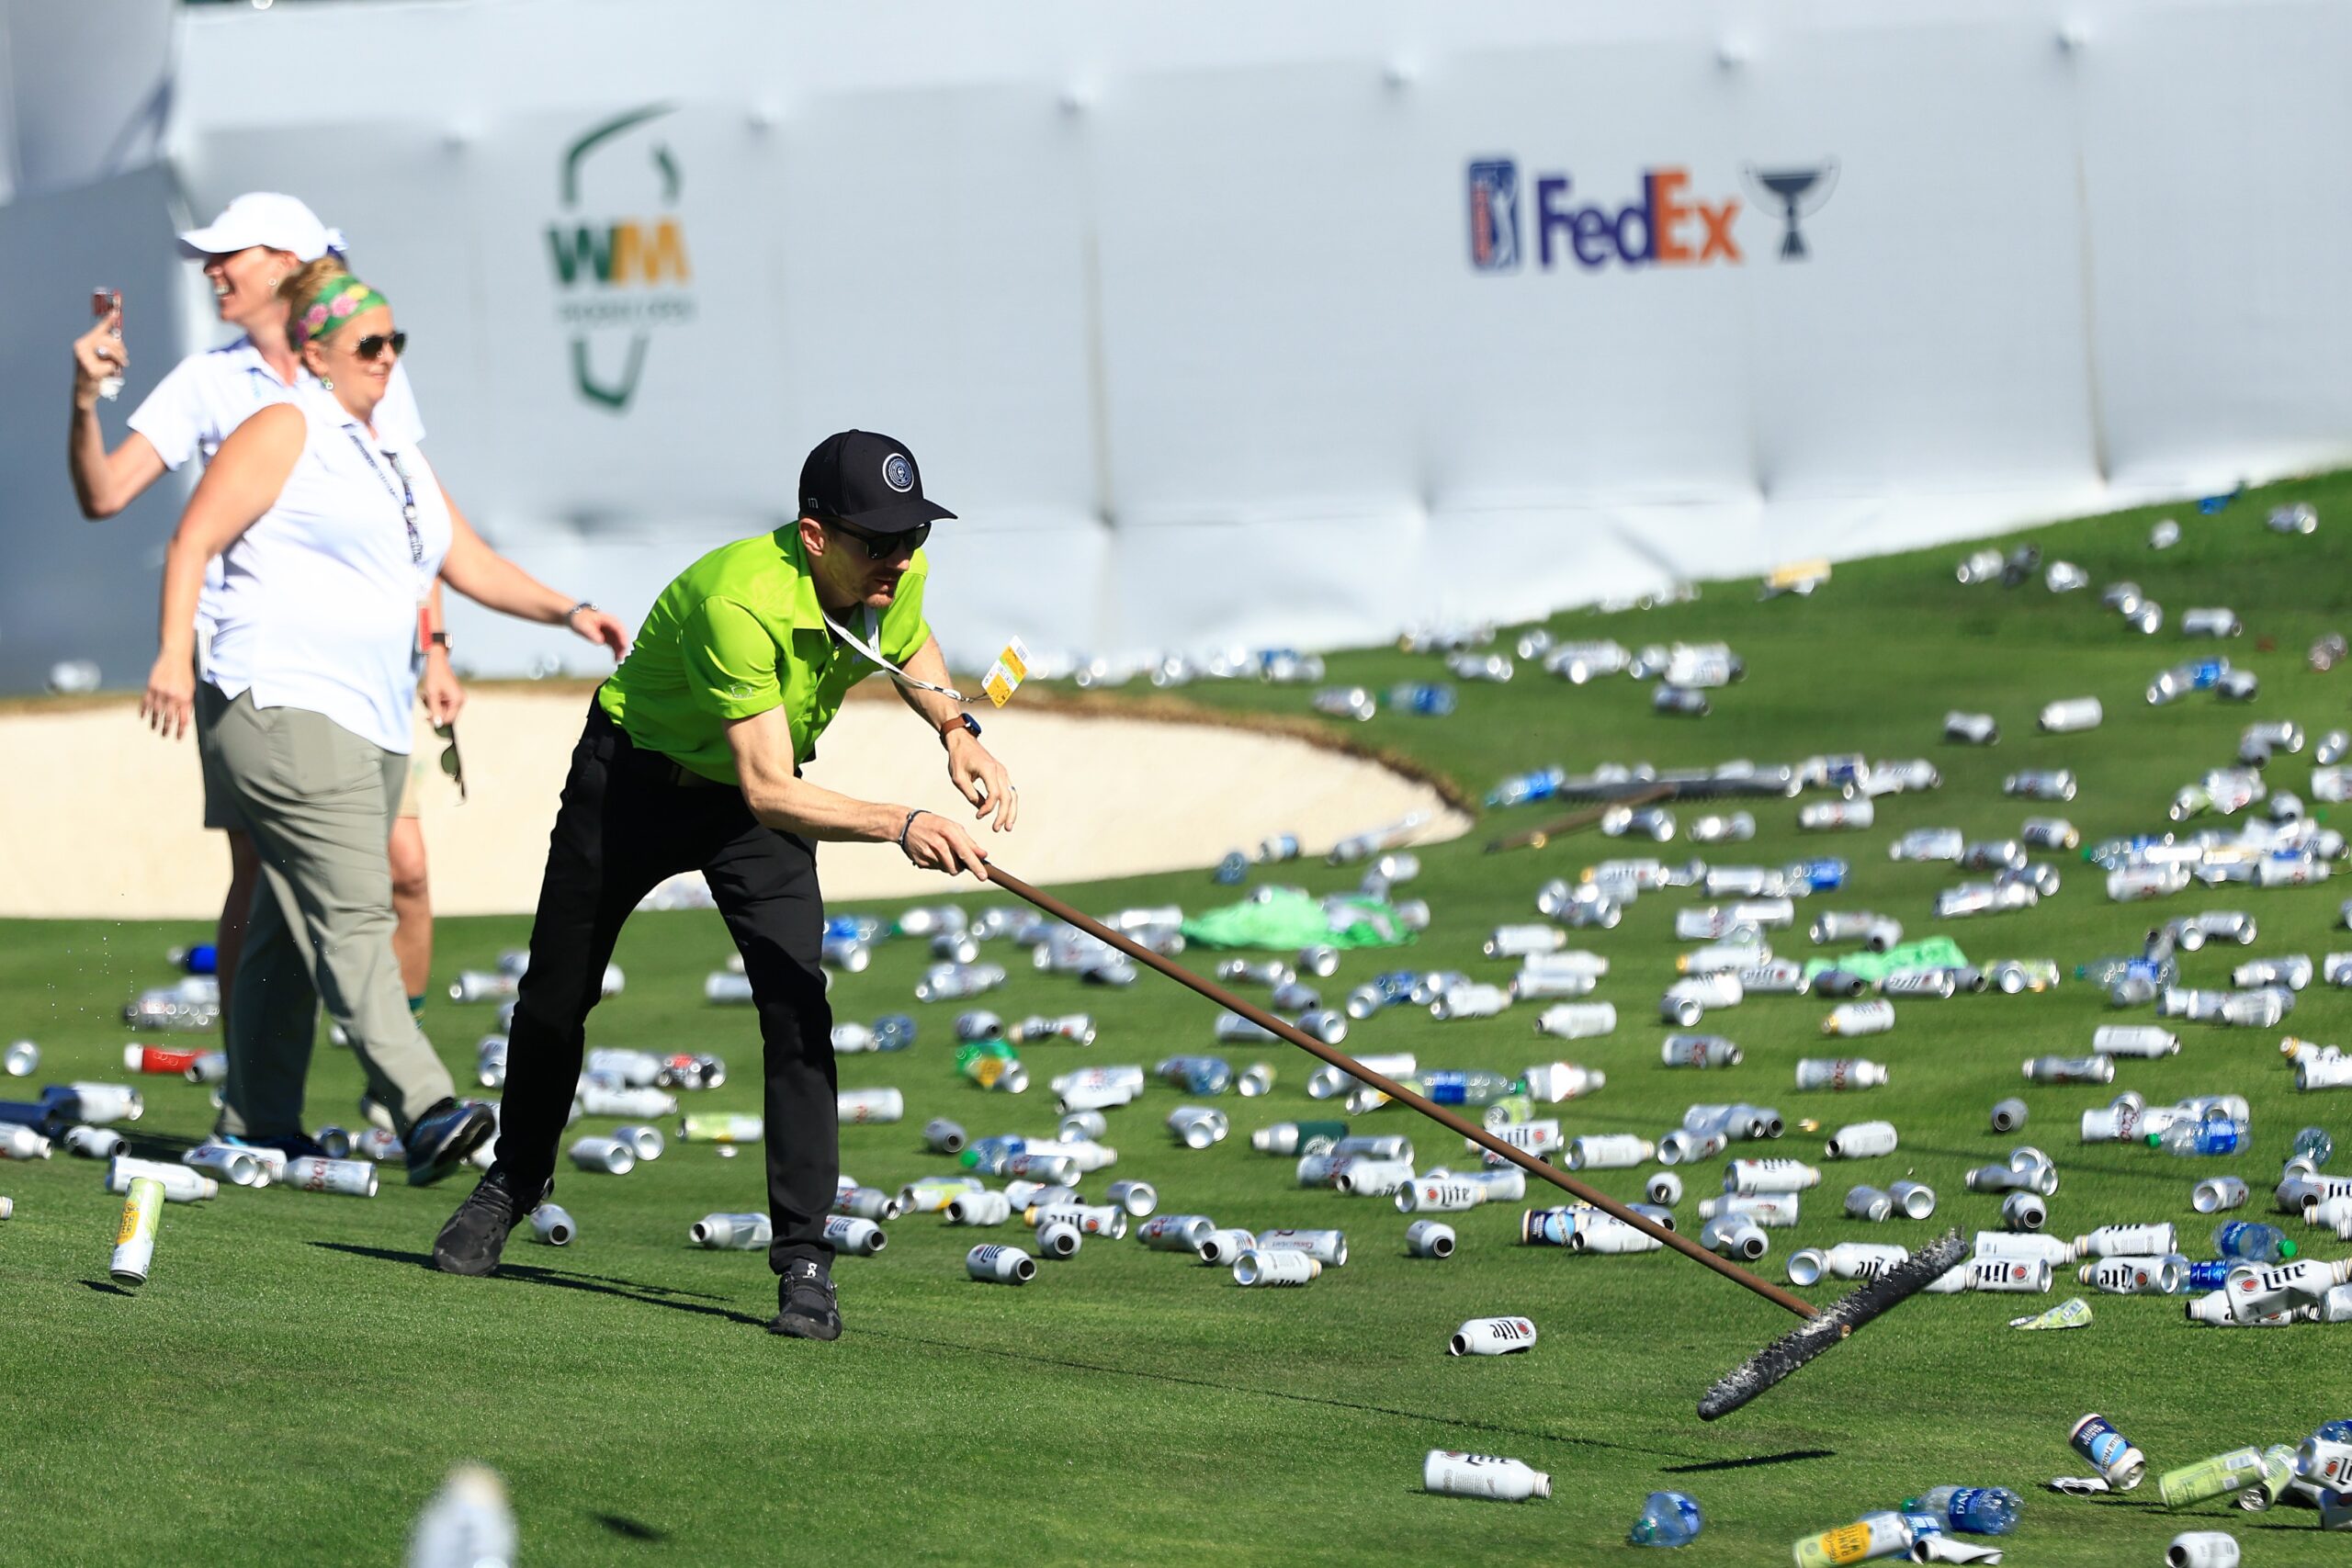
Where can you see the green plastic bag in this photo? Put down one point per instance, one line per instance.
(1928, 952)
(1291, 921)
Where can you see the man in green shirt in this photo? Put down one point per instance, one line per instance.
(691, 761)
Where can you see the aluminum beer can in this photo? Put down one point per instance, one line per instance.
(2217, 1193)
(1618, 1151)
(1492, 1337)
(230, 1162)
(2193, 1484)
(134, 1242)
(859, 1238)
(1428, 1238)
(996, 1265)
(2070, 1069)
(1439, 1195)
(1328, 1247)
(1257, 1268)
(1860, 1018)
(2072, 715)
(2203, 1549)
(1761, 1176)
(942, 1136)
(1222, 1250)
(1916, 1199)
(351, 1178)
(1137, 1198)
(712, 1129)
(1840, 1074)
(94, 1143)
(2054, 784)
(1862, 1140)
(2133, 1040)
(1699, 1051)
(2008, 1115)
(855, 1106)
(552, 1225)
(1482, 1475)
(1872, 1535)
(608, 1156)
(1175, 1233)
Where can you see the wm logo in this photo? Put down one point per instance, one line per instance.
(622, 272)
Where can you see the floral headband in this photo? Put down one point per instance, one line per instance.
(343, 298)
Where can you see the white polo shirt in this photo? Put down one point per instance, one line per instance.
(205, 396)
(318, 604)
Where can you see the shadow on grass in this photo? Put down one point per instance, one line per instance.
(108, 1288)
(1001, 1353)
(628, 1528)
(1793, 1455)
(596, 1284)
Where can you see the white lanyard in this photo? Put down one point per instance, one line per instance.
(875, 655)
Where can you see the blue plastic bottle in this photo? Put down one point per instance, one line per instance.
(1522, 789)
(1430, 698)
(893, 1032)
(1232, 870)
(2315, 1142)
(2254, 1242)
(2208, 1136)
(1826, 874)
(1669, 1518)
(988, 1156)
(1972, 1510)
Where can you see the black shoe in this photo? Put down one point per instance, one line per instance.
(439, 1140)
(806, 1305)
(476, 1233)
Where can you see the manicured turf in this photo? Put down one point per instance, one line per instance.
(292, 1382)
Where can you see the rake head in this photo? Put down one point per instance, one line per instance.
(1793, 1350)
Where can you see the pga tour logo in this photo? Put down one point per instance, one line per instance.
(1667, 221)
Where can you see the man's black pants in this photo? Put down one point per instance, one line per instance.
(626, 823)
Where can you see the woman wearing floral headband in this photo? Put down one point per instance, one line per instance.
(332, 530)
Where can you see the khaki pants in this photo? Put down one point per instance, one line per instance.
(318, 801)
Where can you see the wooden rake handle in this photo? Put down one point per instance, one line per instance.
(1398, 1093)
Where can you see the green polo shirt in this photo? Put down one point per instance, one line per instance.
(739, 633)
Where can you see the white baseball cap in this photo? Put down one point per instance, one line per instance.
(263, 218)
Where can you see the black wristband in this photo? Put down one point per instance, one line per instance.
(905, 825)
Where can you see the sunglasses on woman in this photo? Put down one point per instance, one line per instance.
(372, 346)
(882, 547)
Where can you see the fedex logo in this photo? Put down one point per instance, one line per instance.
(1668, 222)
(1666, 226)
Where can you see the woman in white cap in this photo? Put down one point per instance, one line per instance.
(335, 530)
(258, 242)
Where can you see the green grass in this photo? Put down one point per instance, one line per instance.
(292, 1383)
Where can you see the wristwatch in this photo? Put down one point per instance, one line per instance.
(441, 640)
(962, 721)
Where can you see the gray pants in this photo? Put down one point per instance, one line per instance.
(318, 801)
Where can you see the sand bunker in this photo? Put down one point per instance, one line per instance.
(103, 818)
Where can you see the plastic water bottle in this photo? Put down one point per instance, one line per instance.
(2254, 1242)
(2314, 1144)
(1669, 1518)
(1432, 699)
(1972, 1510)
(1525, 788)
(2208, 1136)
(1233, 869)
(893, 1032)
(1476, 1087)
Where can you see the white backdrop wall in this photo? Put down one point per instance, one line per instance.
(1180, 306)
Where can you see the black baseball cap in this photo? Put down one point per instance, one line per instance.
(868, 481)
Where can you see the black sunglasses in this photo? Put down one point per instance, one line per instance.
(882, 547)
(451, 763)
(372, 346)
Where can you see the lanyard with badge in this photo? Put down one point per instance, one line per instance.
(406, 496)
(1004, 677)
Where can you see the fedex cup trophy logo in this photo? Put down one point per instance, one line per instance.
(1798, 193)
(618, 274)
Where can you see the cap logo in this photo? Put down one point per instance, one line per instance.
(898, 473)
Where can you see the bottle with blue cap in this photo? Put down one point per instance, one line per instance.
(1970, 1510)
(1669, 1518)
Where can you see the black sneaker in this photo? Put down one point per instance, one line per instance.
(806, 1305)
(439, 1140)
(476, 1233)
